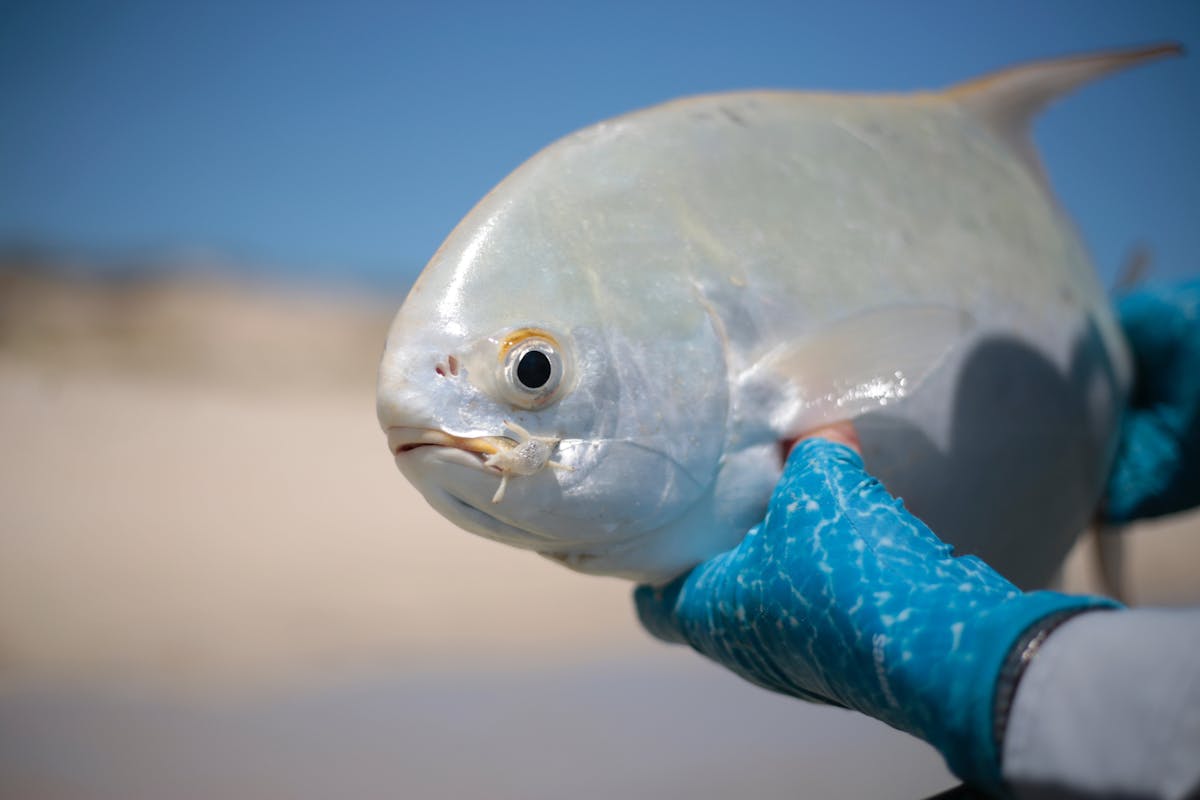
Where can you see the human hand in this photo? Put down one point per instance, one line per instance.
(841, 596)
(1157, 467)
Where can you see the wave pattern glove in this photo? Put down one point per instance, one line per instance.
(1157, 469)
(841, 596)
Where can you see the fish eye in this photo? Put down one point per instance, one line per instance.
(532, 368)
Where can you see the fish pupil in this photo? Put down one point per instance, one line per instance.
(533, 370)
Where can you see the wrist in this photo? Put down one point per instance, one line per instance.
(980, 677)
(1017, 662)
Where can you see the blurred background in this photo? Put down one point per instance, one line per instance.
(213, 581)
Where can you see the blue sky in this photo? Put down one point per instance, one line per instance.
(344, 140)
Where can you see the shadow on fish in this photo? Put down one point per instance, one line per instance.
(602, 360)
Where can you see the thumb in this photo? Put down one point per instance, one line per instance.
(656, 609)
(679, 612)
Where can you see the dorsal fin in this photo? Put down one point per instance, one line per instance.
(1008, 100)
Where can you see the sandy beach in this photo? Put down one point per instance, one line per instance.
(214, 582)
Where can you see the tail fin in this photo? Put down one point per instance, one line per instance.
(1007, 101)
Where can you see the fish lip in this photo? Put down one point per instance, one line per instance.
(404, 439)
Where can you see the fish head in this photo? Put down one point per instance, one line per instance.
(551, 384)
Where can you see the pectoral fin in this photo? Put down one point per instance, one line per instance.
(860, 363)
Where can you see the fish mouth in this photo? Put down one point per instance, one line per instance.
(407, 445)
(404, 439)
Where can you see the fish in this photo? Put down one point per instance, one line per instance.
(606, 360)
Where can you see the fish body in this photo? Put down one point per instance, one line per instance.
(603, 359)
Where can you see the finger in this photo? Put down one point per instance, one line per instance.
(1147, 314)
(657, 610)
(825, 487)
(834, 449)
(1163, 329)
(1149, 477)
(682, 611)
(839, 433)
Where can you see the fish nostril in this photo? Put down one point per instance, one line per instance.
(440, 370)
(452, 362)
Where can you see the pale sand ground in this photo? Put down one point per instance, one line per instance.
(213, 581)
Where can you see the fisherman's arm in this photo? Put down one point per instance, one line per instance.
(1109, 706)
(1111, 703)
(841, 596)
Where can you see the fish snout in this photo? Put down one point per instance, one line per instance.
(419, 366)
(422, 387)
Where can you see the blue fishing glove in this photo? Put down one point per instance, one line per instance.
(841, 596)
(1157, 468)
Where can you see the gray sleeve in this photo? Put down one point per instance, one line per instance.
(1110, 707)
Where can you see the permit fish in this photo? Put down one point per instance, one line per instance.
(607, 358)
